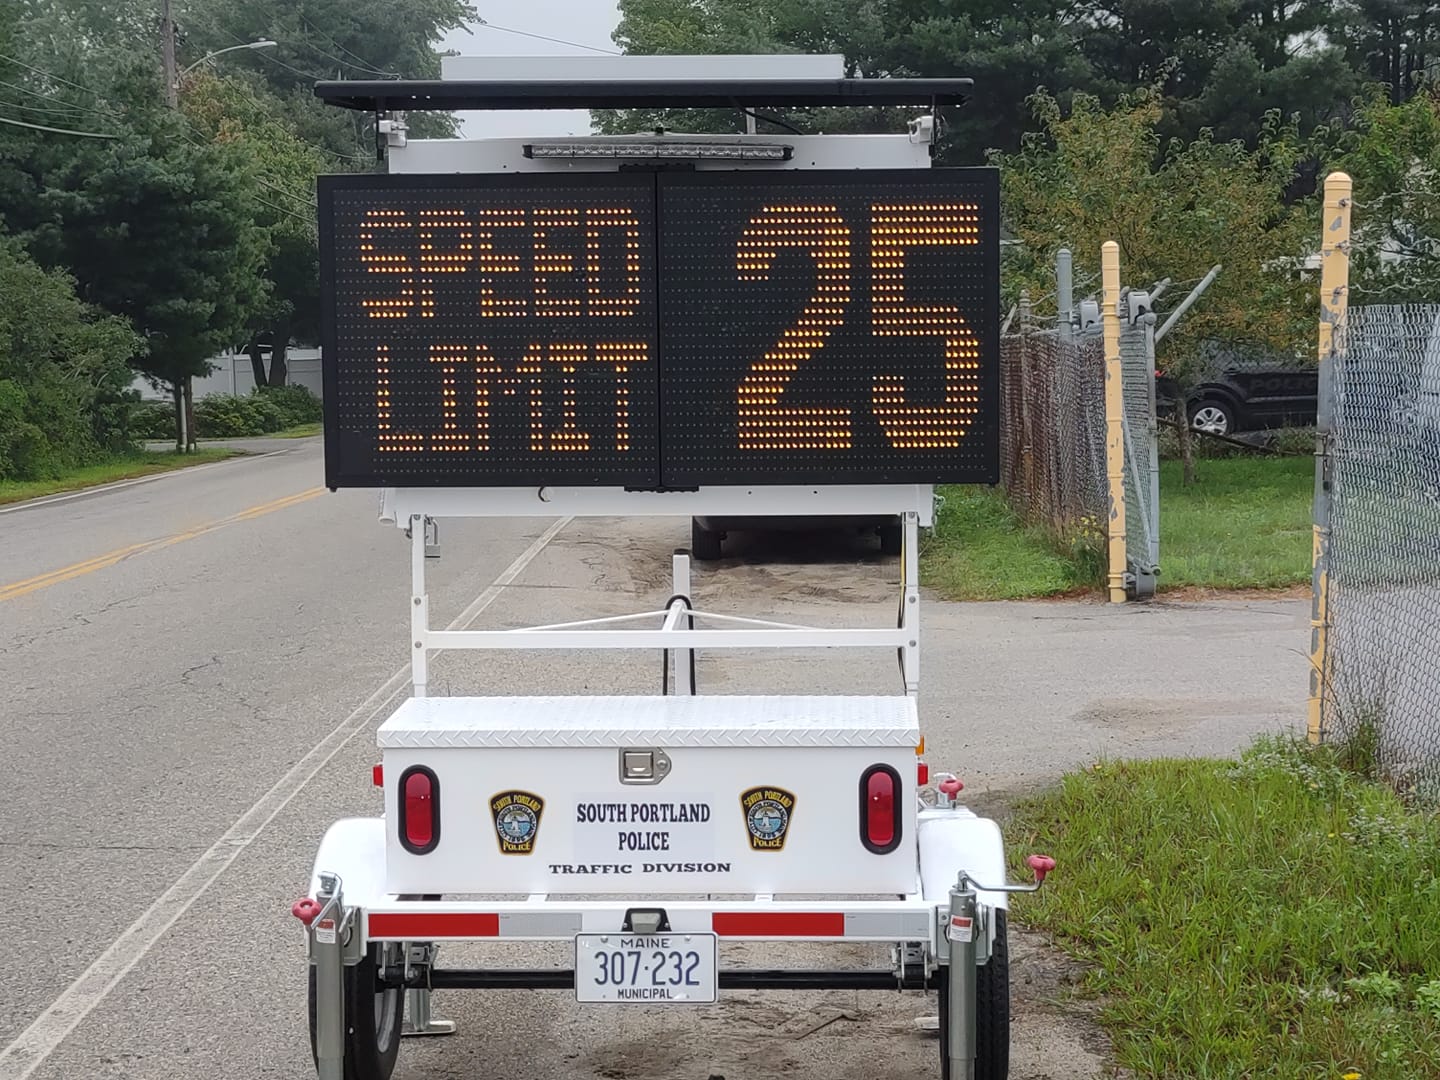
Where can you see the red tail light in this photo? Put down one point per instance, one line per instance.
(419, 804)
(880, 809)
(377, 775)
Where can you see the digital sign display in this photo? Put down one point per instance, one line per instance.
(661, 330)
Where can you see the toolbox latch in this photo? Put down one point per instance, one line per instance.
(648, 766)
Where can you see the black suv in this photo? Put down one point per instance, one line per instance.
(1246, 398)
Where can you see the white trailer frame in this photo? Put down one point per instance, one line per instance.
(412, 508)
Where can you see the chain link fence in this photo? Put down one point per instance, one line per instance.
(1381, 697)
(1052, 439)
(1142, 453)
(1053, 436)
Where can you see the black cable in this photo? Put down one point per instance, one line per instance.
(541, 37)
(665, 653)
(777, 121)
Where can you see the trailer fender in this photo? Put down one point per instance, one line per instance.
(353, 848)
(952, 840)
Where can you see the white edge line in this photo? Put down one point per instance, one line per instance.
(48, 1030)
(101, 489)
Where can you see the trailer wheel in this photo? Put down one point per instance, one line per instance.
(992, 1009)
(373, 1018)
(892, 540)
(704, 544)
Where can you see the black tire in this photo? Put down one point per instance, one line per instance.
(372, 1022)
(1214, 415)
(992, 1012)
(892, 540)
(704, 544)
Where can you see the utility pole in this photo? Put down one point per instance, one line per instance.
(167, 51)
(184, 408)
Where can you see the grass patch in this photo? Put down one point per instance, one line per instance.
(1244, 524)
(979, 549)
(1275, 917)
(299, 431)
(141, 463)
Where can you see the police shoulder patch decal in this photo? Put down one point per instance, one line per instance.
(517, 821)
(768, 813)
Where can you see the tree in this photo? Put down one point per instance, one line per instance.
(1393, 42)
(1176, 209)
(161, 230)
(244, 117)
(154, 223)
(1222, 65)
(1393, 156)
(63, 371)
(1007, 47)
(329, 39)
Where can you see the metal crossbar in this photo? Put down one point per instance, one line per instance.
(677, 631)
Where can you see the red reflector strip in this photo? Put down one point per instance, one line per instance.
(778, 924)
(426, 926)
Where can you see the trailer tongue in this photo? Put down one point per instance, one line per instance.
(735, 327)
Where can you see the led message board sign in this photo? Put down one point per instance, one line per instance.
(661, 330)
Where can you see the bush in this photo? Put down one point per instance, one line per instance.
(153, 420)
(110, 421)
(45, 429)
(297, 404)
(63, 373)
(227, 416)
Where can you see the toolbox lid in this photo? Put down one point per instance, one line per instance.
(714, 720)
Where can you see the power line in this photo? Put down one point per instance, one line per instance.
(349, 64)
(542, 37)
(303, 200)
(265, 54)
(363, 65)
(68, 113)
(47, 74)
(57, 131)
(291, 67)
(281, 210)
(19, 88)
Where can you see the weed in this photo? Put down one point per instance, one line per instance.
(1271, 917)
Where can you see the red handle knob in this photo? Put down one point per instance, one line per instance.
(305, 910)
(951, 786)
(1042, 865)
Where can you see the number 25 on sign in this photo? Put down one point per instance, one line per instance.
(765, 422)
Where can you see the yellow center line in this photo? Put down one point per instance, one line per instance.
(110, 558)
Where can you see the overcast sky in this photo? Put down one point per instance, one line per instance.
(583, 22)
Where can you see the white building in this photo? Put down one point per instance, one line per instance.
(233, 374)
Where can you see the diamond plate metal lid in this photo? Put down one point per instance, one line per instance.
(720, 721)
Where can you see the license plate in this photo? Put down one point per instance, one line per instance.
(646, 969)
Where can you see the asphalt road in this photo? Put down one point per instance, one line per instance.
(192, 669)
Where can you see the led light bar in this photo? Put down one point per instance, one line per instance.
(662, 149)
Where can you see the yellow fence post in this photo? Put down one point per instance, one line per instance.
(1334, 299)
(1114, 418)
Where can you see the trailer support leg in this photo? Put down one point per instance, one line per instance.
(961, 932)
(327, 954)
(420, 1018)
